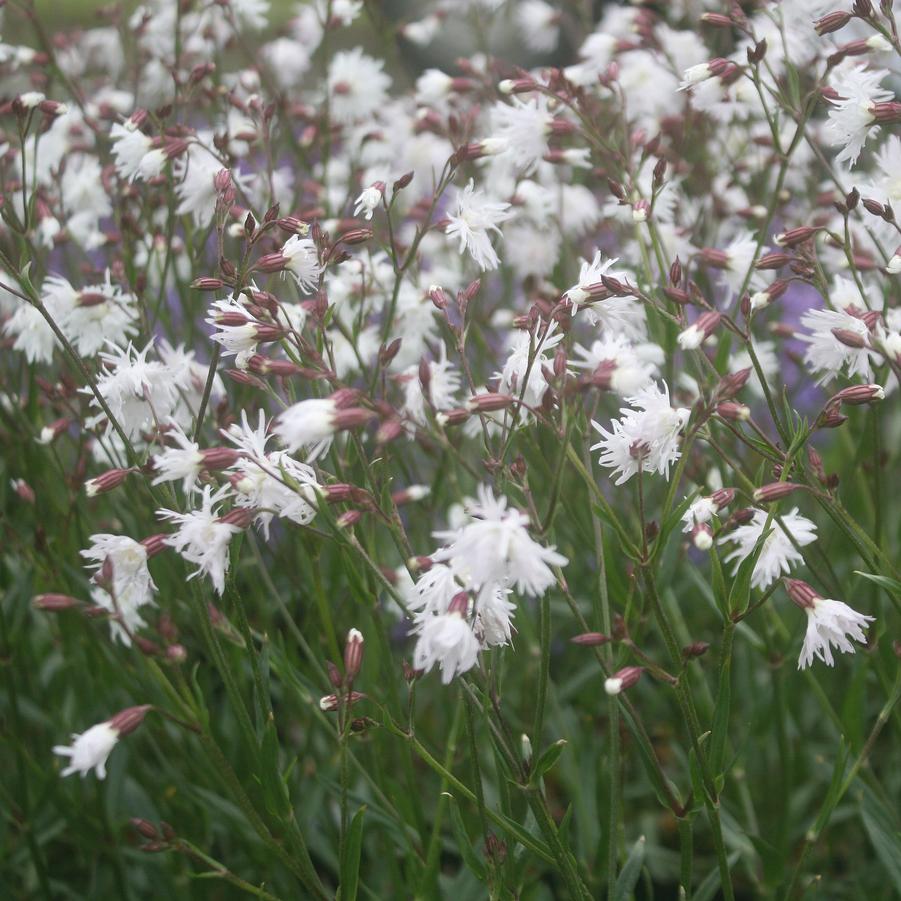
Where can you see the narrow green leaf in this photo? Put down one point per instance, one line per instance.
(350, 865)
(470, 858)
(628, 876)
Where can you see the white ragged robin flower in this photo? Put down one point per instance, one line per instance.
(779, 553)
(855, 109)
(837, 341)
(91, 749)
(138, 391)
(203, 536)
(495, 547)
(312, 423)
(617, 365)
(95, 315)
(269, 482)
(539, 23)
(645, 438)
(524, 127)
(449, 641)
(829, 624)
(122, 581)
(530, 354)
(357, 85)
(619, 315)
(475, 216)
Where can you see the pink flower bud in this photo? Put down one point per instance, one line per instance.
(590, 639)
(775, 491)
(54, 603)
(623, 679)
(801, 593)
(126, 721)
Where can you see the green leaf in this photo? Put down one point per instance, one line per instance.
(628, 876)
(550, 756)
(275, 793)
(892, 586)
(884, 834)
(350, 865)
(470, 858)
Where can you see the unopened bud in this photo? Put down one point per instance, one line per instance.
(733, 412)
(54, 603)
(801, 593)
(106, 481)
(623, 679)
(353, 654)
(857, 395)
(775, 491)
(126, 721)
(590, 639)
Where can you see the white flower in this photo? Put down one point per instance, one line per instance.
(262, 478)
(196, 171)
(432, 88)
(138, 391)
(250, 14)
(474, 217)
(852, 115)
(302, 261)
(522, 375)
(449, 641)
(135, 155)
(618, 364)
(309, 423)
(33, 336)
(778, 554)
(829, 356)
(132, 585)
(239, 341)
(95, 315)
(524, 127)
(699, 512)
(357, 86)
(620, 315)
(539, 23)
(831, 623)
(183, 462)
(646, 437)
(495, 547)
(202, 538)
(368, 202)
(443, 385)
(89, 750)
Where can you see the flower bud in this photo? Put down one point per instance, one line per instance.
(801, 593)
(353, 654)
(54, 603)
(106, 481)
(623, 679)
(775, 491)
(857, 395)
(126, 721)
(590, 639)
(733, 412)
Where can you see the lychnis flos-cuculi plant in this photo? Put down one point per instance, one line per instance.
(470, 429)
